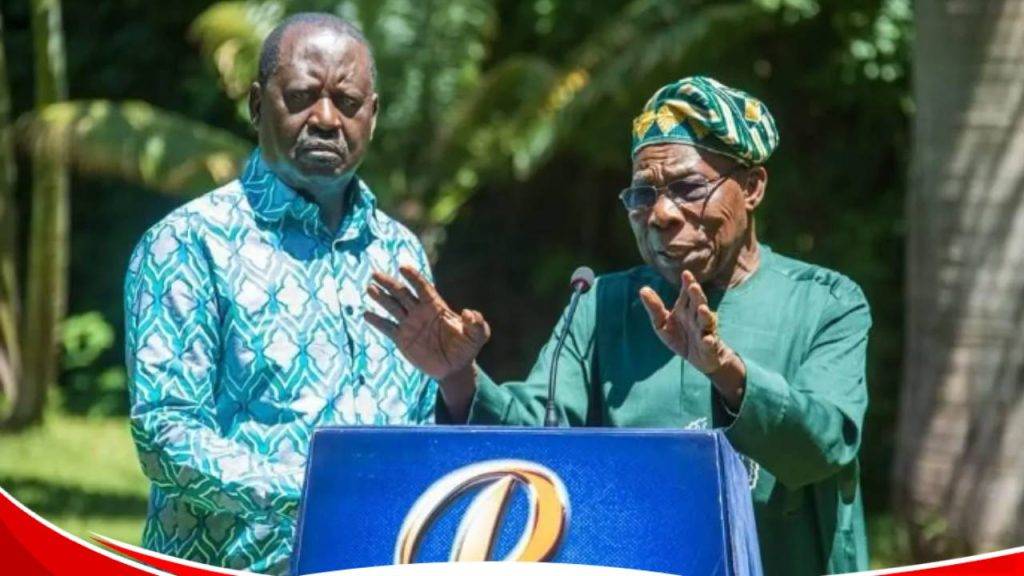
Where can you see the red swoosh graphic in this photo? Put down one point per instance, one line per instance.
(31, 546)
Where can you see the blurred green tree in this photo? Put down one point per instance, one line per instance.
(30, 365)
(10, 345)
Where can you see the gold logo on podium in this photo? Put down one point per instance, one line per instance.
(548, 512)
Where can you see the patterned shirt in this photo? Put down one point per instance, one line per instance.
(245, 332)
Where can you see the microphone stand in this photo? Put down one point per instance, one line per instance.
(550, 418)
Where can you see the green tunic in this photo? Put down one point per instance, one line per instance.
(802, 332)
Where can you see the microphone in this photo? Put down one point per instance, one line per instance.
(582, 280)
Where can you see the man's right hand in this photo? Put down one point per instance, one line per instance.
(429, 334)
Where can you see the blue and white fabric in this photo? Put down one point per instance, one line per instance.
(245, 332)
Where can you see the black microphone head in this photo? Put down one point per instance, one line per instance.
(582, 279)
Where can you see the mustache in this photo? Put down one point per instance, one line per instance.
(306, 143)
(679, 247)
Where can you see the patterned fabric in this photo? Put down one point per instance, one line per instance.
(245, 331)
(703, 112)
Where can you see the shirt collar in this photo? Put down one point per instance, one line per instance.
(271, 200)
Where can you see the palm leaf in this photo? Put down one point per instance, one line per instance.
(231, 34)
(525, 108)
(137, 142)
(490, 127)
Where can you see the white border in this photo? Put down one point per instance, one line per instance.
(941, 563)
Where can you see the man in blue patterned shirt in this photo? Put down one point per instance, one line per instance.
(245, 312)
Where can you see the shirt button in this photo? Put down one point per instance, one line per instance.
(349, 309)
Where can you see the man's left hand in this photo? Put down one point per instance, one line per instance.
(433, 337)
(690, 328)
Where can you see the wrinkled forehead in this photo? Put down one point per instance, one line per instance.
(321, 51)
(658, 162)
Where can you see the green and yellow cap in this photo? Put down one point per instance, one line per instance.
(705, 113)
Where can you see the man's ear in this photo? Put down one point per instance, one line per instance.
(255, 99)
(373, 120)
(754, 186)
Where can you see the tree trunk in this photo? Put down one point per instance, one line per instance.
(959, 473)
(48, 253)
(10, 356)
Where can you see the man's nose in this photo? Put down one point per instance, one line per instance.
(665, 214)
(325, 117)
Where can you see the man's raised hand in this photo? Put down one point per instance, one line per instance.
(429, 334)
(690, 328)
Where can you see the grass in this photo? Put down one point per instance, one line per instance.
(79, 473)
(889, 542)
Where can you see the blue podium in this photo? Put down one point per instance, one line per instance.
(668, 501)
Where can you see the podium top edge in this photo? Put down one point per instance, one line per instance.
(532, 430)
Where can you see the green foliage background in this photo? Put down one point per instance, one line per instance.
(503, 139)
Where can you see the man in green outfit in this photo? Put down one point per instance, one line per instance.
(715, 330)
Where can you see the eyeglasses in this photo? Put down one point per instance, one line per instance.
(680, 192)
